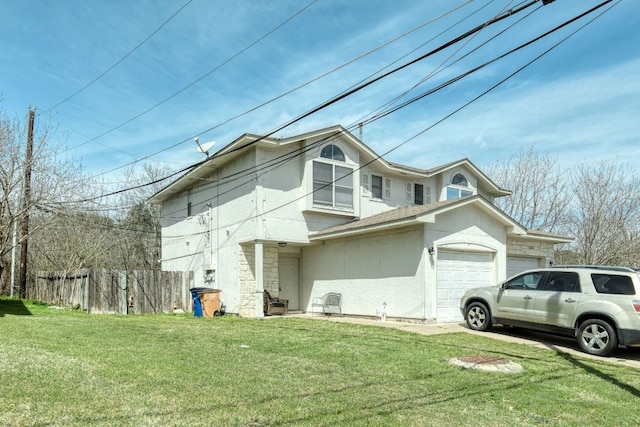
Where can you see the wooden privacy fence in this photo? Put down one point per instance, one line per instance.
(103, 291)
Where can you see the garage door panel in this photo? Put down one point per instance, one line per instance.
(457, 272)
(517, 265)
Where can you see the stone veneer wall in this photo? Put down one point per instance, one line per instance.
(247, 279)
(530, 248)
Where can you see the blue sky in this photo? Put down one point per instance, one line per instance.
(215, 60)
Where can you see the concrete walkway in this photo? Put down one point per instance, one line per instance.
(623, 356)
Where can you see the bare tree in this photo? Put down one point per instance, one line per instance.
(541, 189)
(140, 243)
(597, 204)
(605, 214)
(52, 180)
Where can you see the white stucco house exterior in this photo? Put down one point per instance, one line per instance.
(321, 212)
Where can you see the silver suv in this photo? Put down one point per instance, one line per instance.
(598, 305)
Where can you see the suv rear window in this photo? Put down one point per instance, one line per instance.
(613, 284)
(562, 281)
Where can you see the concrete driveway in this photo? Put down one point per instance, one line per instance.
(622, 356)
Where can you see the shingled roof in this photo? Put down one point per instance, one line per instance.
(409, 215)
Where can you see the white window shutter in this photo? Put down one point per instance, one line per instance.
(427, 197)
(365, 185)
(409, 191)
(387, 188)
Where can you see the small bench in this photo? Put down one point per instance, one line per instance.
(330, 303)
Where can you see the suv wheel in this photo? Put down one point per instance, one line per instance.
(478, 317)
(597, 337)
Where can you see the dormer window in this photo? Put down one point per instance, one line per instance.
(459, 187)
(332, 179)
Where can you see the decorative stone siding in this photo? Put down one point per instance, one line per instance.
(271, 275)
(247, 280)
(530, 248)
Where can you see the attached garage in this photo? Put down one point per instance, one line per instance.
(516, 265)
(457, 272)
(419, 260)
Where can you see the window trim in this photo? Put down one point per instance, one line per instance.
(410, 190)
(333, 185)
(335, 152)
(372, 180)
(458, 184)
(458, 190)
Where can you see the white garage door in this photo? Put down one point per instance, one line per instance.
(457, 272)
(516, 265)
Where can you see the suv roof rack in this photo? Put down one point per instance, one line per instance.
(600, 267)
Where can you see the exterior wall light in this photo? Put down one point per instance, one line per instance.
(431, 251)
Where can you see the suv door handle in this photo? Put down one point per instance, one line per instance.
(569, 300)
(527, 297)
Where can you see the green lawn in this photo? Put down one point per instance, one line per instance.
(61, 367)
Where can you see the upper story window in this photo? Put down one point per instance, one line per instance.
(376, 186)
(459, 187)
(332, 179)
(332, 152)
(459, 179)
(418, 194)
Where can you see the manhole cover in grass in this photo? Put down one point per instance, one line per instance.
(486, 363)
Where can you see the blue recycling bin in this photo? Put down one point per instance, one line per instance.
(197, 304)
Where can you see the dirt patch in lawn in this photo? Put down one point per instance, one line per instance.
(487, 363)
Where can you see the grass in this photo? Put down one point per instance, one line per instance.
(61, 367)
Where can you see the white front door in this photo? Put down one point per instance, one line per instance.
(288, 271)
(457, 272)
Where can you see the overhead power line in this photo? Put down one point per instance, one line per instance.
(287, 157)
(549, 32)
(223, 63)
(450, 43)
(465, 105)
(446, 84)
(339, 97)
(290, 91)
(121, 59)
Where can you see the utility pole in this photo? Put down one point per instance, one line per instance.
(25, 205)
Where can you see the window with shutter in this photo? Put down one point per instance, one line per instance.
(415, 193)
(376, 186)
(418, 194)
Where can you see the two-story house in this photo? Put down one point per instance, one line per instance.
(321, 212)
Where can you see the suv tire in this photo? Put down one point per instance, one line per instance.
(597, 337)
(478, 316)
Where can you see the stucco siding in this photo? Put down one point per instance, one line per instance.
(468, 228)
(398, 196)
(280, 198)
(370, 271)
